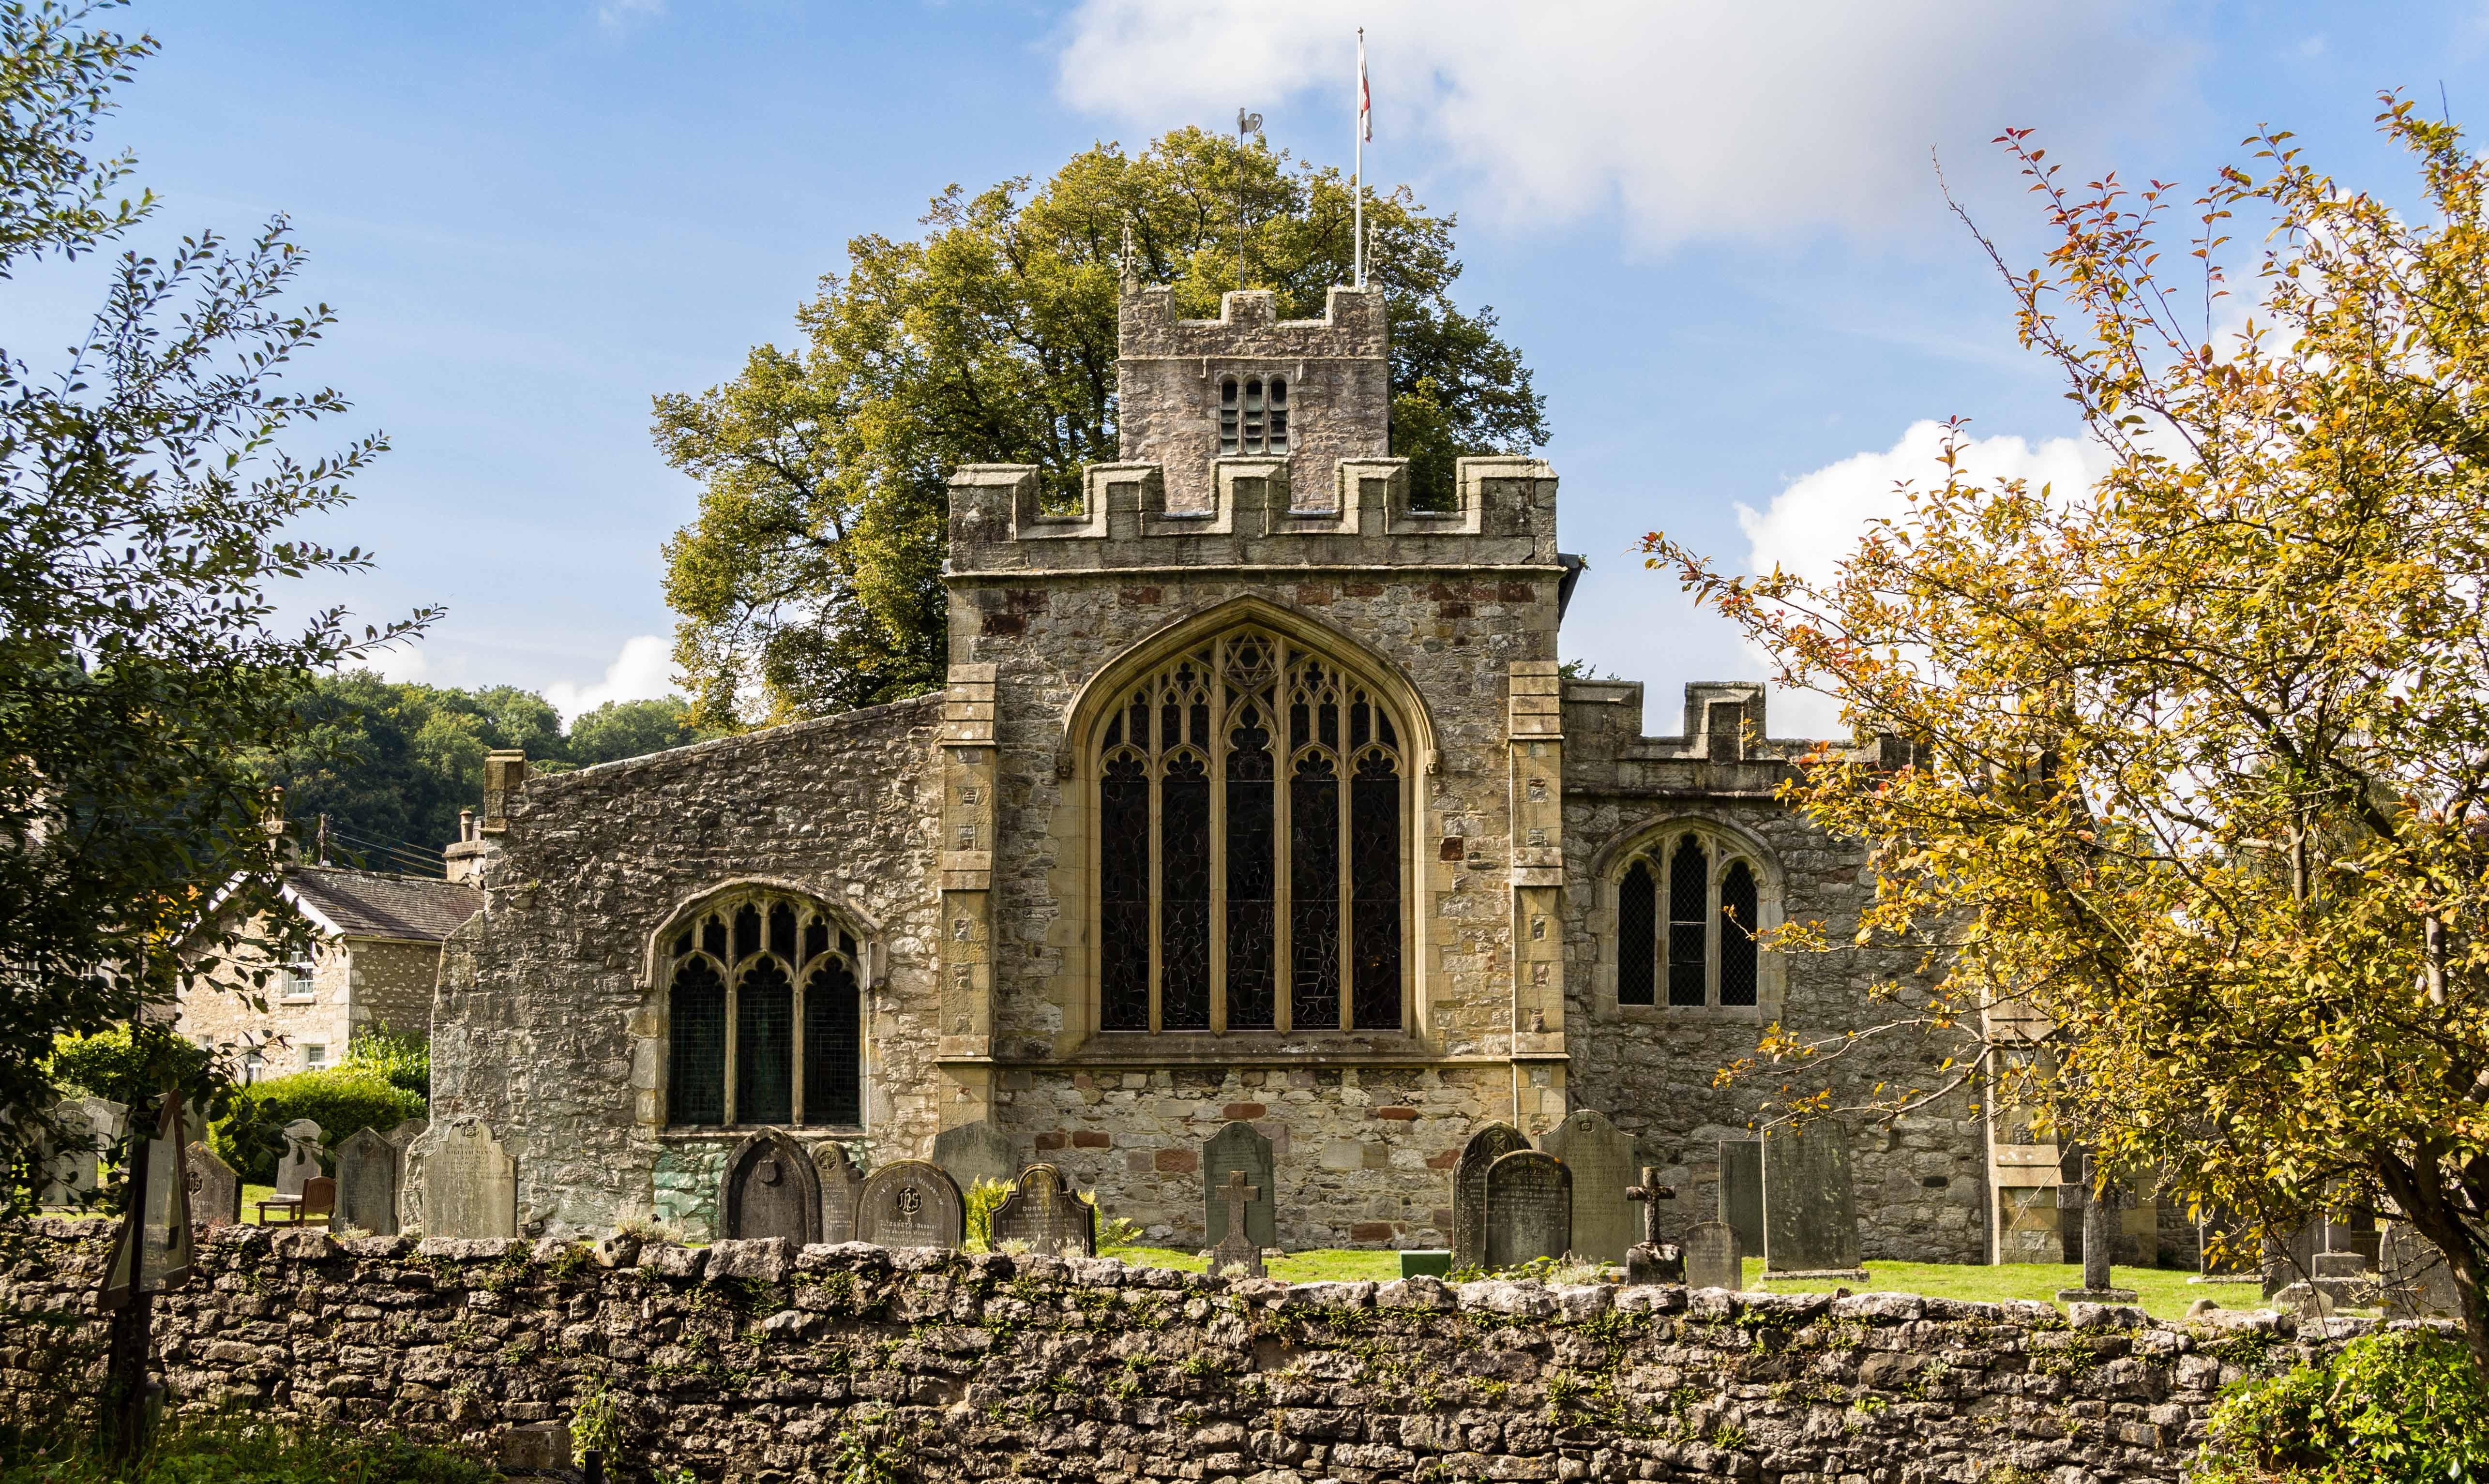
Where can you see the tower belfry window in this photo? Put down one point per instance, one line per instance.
(1252, 415)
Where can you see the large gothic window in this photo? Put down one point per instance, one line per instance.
(1688, 906)
(1250, 846)
(765, 1017)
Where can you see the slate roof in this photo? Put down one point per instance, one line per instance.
(379, 904)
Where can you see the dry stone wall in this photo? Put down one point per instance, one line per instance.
(748, 1362)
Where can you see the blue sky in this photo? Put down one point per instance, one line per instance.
(1713, 229)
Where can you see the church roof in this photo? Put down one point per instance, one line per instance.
(380, 904)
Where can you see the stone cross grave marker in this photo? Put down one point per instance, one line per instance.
(301, 1159)
(1741, 1189)
(1600, 1157)
(1239, 1147)
(2100, 1242)
(215, 1188)
(1044, 1212)
(1714, 1257)
(1651, 1260)
(1237, 1248)
(770, 1188)
(975, 1151)
(840, 1184)
(910, 1203)
(1810, 1218)
(369, 1169)
(1469, 1191)
(1528, 1208)
(470, 1185)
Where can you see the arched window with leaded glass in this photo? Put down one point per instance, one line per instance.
(1690, 900)
(1252, 832)
(765, 1015)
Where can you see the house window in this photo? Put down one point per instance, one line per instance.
(1252, 415)
(315, 1056)
(765, 1017)
(296, 981)
(1250, 805)
(1688, 906)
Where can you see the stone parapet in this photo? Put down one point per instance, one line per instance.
(750, 1359)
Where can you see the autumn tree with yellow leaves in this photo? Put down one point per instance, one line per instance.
(2198, 758)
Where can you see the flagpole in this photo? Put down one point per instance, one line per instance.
(1358, 178)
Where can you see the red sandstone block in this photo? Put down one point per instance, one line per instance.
(1053, 1141)
(1449, 1159)
(1371, 1231)
(1396, 1115)
(1245, 1112)
(1085, 1139)
(1178, 1162)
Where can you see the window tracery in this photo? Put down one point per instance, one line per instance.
(1689, 903)
(1250, 795)
(765, 1010)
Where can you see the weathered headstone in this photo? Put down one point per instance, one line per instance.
(1714, 1255)
(1528, 1208)
(1650, 1260)
(1601, 1159)
(1741, 1189)
(215, 1188)
(975, 1151)
(770, 1188)
(1810, 1221)
(471, 1183)
(301, 1159)
(1240, 1148)
(406, 1132)
(910, 1203)
(1469, 1191)
(369, 1168)
(88, 1128)
(1236, 1254)
(841, 1181)
(2418, 1282)
(1043, 1211)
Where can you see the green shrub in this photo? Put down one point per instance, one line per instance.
(404, 1060)
(2389, 1409)
(983, 1197)
(340, 1099)
(108, 1064)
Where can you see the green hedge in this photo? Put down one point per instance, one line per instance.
(340, 1099)
(2398, 1408)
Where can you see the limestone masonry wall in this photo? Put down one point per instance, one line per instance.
(746, 1363)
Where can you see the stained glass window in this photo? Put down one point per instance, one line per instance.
(1688, 907)
(797, 1052)
(1280, 908)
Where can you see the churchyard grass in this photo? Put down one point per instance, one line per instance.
(232, 1452)
(1324, 1265)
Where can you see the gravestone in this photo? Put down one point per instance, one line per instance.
(1714, 1255)
(2416, 1281)
(1650, 1260)
(1236, 1254)
(910, 1203)
(840, 1181)
(770, 1188)
(1240, 1149)
(215, 1188)
(1741, 1189)
(89, 1128)
(1601, 1159)
(470, 1185)
(369, 1168)
(2099, 1242)
(406, 1132)
(301, 1159)
(975, 1151)
(1528, 1208)
(1810, 1221)
(1043, 1211)
(1469, 1191)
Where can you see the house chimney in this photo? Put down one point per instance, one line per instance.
(280, 829)
(505, 773)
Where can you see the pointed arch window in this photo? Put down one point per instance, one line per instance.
(764, 1017)
(1251, 838)
(1688, 905)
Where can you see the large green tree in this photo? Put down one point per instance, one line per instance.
(2198, 758)
(149, 482)
(810, 581)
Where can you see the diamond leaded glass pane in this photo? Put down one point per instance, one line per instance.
(1637, 936)
(1313, 907)
(1123, 896)
(1252, 880)
(1183, 896)
(696, 1017)
(1738, 908)
(1689, 927)
(1374, 878)
(832, 1046)
(764, 1045)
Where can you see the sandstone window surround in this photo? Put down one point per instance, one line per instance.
(298, 984)
(1688, 900)
(1252, 415)
(1252, 804)
(764, 1014)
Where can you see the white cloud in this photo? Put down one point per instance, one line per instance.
(1817, 521)
(1721, 118)
(642, 671)
(615, 15)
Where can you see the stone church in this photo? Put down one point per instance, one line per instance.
(1256, 793)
